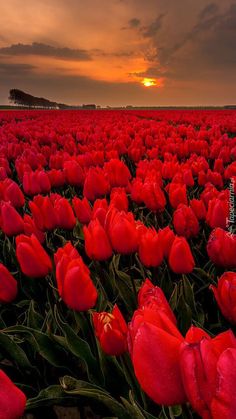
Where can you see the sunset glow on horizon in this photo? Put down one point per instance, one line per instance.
(149, 82)
(106, 53)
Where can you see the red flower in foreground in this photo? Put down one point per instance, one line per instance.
(33, 259)
(208, 370)
(12, 399)
(152, 295)
(73, 279)
(8, 285)
(225, 295)
(111, 330)
(154, 344)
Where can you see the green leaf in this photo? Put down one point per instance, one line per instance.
(81, 388)
(14, 352)
(34, 320)
(80, 348)
(41, 343)
(48, 397)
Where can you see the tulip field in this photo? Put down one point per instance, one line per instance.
(118, 264)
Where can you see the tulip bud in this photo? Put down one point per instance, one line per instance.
(180, 258)
(225, 295)
(177, 194)
(8, 285)
(198, 208)
(185, 222)
(97, 244)
(33, 259)
(221, 248)
(122, 231)
(11, 222)
(150, 248)
(73, 279)
(111, 331)
(82, 210)
(217, 213)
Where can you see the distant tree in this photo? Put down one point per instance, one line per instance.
(20, 98)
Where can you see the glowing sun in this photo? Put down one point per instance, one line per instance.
(149, 82)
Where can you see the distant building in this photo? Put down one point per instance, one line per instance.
(89, 106)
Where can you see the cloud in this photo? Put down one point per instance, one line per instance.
(209, 10)
(10, 69)
(151, 30)
(134, 23)
(37, 48)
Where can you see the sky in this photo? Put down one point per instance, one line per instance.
(120, 52)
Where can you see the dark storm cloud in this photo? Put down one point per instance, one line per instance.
(10, 69)
(37, 48)
(134, 23)
(151, 30)
(209, 46)
(209, 10)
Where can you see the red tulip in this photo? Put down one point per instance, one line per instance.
(117, 173)
(198, 208)
(73, 172)
(33, 259)
(73, 280)
(151, 295)
(153, 196)
(97, 244)
(210, 192)
(200, 367)
(12, 193)
(185, 222)
(150, 248)
(65, 214)
(122, 231)
(12, 399)
(44, 213)
(221, 248)
(31, 228)
(111, 331)
(167, 237)
(119, 200)
(8, 285)
(177, 194)
(225, 295)
(57, 178)
(82, 210)
(154, 343)
(11, 222)
(100, 209)
(217, 213)
(96, 184)
(180, 257)
(223, 404)
(36, 182)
